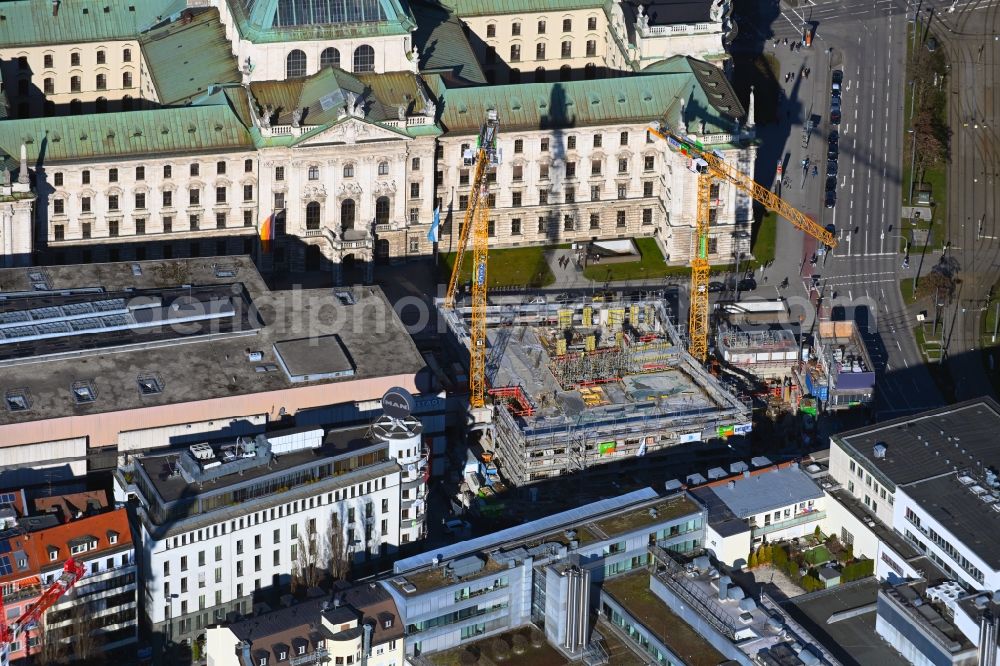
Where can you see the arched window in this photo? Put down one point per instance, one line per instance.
(102, 82)
(540, 75)
(74, 84)
(126, 79)
(349, 170)
(312, 215)
(382, 210)
(102, 104)
(364, 59)
(314, 173)
(515, 75)
(590, 71)
(540, 51)
(295, 64)
(383, 168)
(329, 58)
(49, 86)
(565, 73)
(127, 103)
(347, 214)
(75, 107)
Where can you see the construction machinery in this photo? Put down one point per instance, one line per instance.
(710, 166)
(10, 632)
(484, 160)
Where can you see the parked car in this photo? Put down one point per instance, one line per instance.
(834, 102)
(835, 116)
(834, 137)
(831, 168)
(831, 153)
(831, 199)
(831, 183)
(835, 90)
(838, 76)
(715, 286)
(746, 284)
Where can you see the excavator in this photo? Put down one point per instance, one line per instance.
(710, 166)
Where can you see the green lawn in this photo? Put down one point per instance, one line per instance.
(764, 239)
(509, 267)
(906, 289)
(650, 266)
(818, 555)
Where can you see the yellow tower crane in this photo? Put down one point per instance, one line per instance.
(484, 160)
(710, 166)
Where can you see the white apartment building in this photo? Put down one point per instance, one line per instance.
(220, 522)
(774, 504)
(934, 479)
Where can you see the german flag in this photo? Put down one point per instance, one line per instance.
(267, 233)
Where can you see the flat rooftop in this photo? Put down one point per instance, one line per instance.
(140, 366)
(595, 522)
(967, 510)
(852, 640)
(931, 617)
(171, 486)
(766, 491)
(930, 444)
(632, 592)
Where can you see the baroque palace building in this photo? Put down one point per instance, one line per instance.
(343, 121)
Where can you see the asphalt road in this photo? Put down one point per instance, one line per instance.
(860, 278)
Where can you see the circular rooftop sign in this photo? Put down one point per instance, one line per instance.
(398, 403)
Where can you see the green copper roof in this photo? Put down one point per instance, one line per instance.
(30, 22)
(381, 94)
(713, 88)
(299, 20)
(631, 99)
(501, 7)
(443, 45)
(184, 59)
(128, 134)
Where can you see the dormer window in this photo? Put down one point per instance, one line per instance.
(53, 554)
(113, 538)
(302, 649)
(282, 656)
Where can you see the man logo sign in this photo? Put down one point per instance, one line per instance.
(398, 403)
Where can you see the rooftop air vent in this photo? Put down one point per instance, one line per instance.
(84, 392)
(879, 451)
(18, 400)
(149, 384)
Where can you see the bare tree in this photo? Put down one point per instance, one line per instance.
(337, 562)
(86, 645)
(51, 650)
(305, 569)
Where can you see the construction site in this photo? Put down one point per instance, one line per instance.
(575, 385)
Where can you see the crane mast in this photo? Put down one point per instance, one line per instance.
(710, 167)
(11, 631)
(484, 160)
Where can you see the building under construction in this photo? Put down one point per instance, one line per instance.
(581, 384)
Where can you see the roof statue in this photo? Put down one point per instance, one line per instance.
(297, 117)
(22, 176)
(642, 21)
